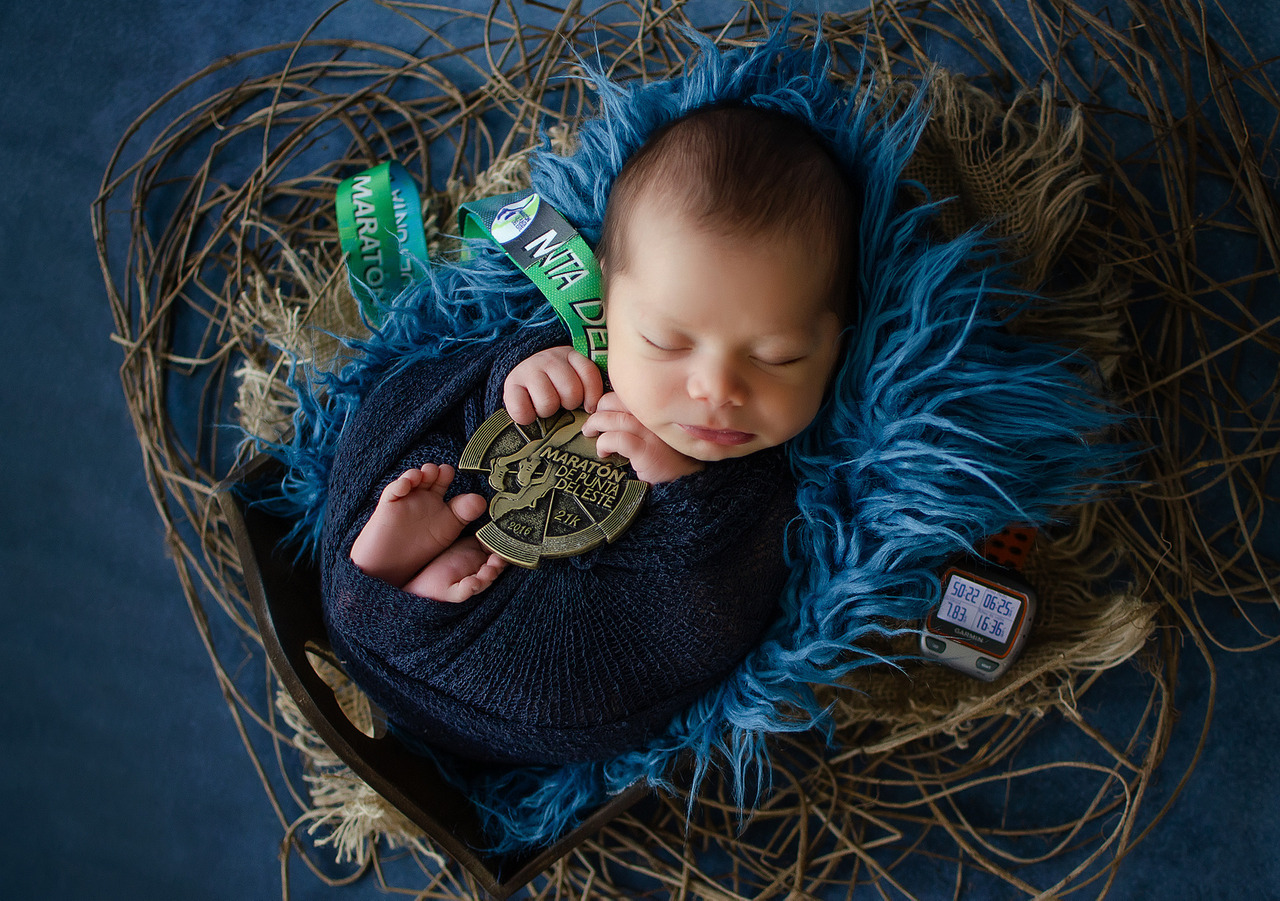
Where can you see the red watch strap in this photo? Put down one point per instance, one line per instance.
(1009, 547)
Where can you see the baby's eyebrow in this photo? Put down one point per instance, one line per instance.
(798, 340)
(667, 326)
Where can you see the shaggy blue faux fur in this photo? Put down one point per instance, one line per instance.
(941, 429)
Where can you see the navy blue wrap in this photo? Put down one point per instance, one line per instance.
(582, 658)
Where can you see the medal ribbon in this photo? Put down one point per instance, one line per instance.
(555, 257)
(380, 229)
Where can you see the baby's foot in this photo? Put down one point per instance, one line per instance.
(412, 524)
(463, 570)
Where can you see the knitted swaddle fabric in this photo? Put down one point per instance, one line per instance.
(583, 657)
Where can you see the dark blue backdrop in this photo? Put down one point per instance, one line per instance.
(123, 776)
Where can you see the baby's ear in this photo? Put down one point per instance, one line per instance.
(604, 282)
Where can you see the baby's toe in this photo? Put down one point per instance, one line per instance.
(444, 478)
(468, 507)
(402, 485)
(489, 572)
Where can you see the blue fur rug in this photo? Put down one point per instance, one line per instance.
(942, 427)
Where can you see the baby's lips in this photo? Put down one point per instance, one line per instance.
(723, 437)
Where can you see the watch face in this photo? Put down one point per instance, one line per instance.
(978, 613)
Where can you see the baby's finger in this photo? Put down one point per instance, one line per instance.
(543, 394)
(603, 421)
(592, 382)
(611, 403)
(518, 403)
(626, 444)
(570, 391)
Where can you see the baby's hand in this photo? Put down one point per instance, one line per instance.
(619, 432)
(551, 379)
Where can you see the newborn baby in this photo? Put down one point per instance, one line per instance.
(726, 256)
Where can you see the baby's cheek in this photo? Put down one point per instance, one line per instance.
(623, 385)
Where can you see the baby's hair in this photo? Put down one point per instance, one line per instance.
(742, 171)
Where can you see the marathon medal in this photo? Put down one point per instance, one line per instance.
(553, 496)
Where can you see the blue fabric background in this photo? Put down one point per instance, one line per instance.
(123, 776)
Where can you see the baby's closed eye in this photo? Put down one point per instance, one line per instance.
(780, 359)
(664, 343)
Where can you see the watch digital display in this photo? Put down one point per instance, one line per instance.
(981, 608)
(983, 611)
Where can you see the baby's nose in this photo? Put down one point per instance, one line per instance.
(718, 384)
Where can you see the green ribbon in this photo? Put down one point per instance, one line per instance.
(555, 257)
(380, 229)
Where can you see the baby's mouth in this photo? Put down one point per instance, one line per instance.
(723, 437)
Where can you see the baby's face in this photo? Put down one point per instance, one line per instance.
(720, 346)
